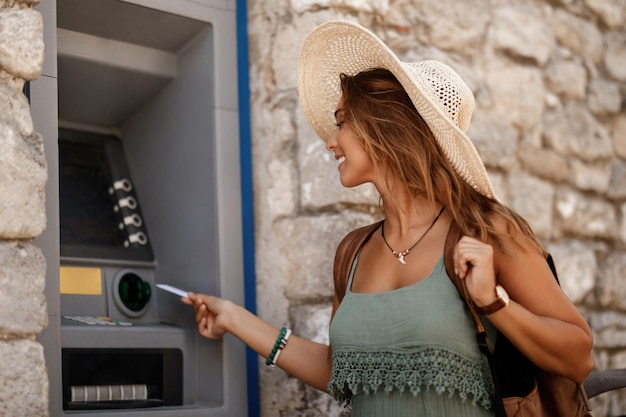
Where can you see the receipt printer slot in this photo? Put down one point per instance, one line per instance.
(121, 378)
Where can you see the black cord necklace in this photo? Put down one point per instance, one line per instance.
(401, 255)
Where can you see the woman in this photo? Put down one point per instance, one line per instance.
(402, 341)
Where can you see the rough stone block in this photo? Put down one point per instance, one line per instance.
(544, 163)
(22, 281)
(323, 405)
(612, 13)
(533, 199)
(573, 131)
(22, 180)
(379, 6)
(610, 323)
(591, 176)
(619, 136)
(495, 139)
(443, 24)
(286, 49)
(604, 97)
(517, 93)
(7, 4)
(14, 108)
(21, 42)
(617, 187)
(308, 246)
(622, 229)
(519, 30)
(312, 321)
(23, 379)
(567, 78)
(280, 196)
(585, 216)
(611, 290)
(615, 58)
(581, 36)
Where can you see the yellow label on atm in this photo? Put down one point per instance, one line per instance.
(80, 280)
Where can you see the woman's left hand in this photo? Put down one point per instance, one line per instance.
(473, 262)
(540, 320)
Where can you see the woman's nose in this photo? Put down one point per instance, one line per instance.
(332, 142)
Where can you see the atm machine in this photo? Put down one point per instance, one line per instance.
(138, 108)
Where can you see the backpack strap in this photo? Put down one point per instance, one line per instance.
(346, 252)
(454, 235)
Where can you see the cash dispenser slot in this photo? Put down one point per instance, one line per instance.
(96, 379)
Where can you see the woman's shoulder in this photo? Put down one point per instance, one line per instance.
(514, 239)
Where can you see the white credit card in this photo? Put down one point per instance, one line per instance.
(173, 290)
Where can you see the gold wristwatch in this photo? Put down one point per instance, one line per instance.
(502, 301)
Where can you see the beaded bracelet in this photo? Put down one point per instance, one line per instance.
(281, 341)
(280, 349)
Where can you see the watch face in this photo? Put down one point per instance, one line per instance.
(502, 294)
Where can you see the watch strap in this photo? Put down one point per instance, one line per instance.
(500, 303)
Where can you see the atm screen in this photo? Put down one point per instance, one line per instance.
(99, 211)
(85, 204)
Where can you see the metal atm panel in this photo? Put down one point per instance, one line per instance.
(118, 352)
(143, 158)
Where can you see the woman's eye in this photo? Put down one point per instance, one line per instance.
(338, 124)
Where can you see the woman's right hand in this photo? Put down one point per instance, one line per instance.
(306, 360)
(212, 314)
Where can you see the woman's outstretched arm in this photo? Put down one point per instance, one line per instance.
(303, 359)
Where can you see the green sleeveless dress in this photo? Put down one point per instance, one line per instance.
(409, 352)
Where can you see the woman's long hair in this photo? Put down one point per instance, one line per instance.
(398, 141)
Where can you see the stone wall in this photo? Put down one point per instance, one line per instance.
(550, 84)
(23, 175)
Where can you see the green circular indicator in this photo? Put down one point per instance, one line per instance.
(134, 292)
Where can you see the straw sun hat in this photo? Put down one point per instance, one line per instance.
(440, 96)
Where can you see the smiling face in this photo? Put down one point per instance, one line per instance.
(396, 149)
(355, 166)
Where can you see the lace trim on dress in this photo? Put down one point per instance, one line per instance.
(357, 370)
